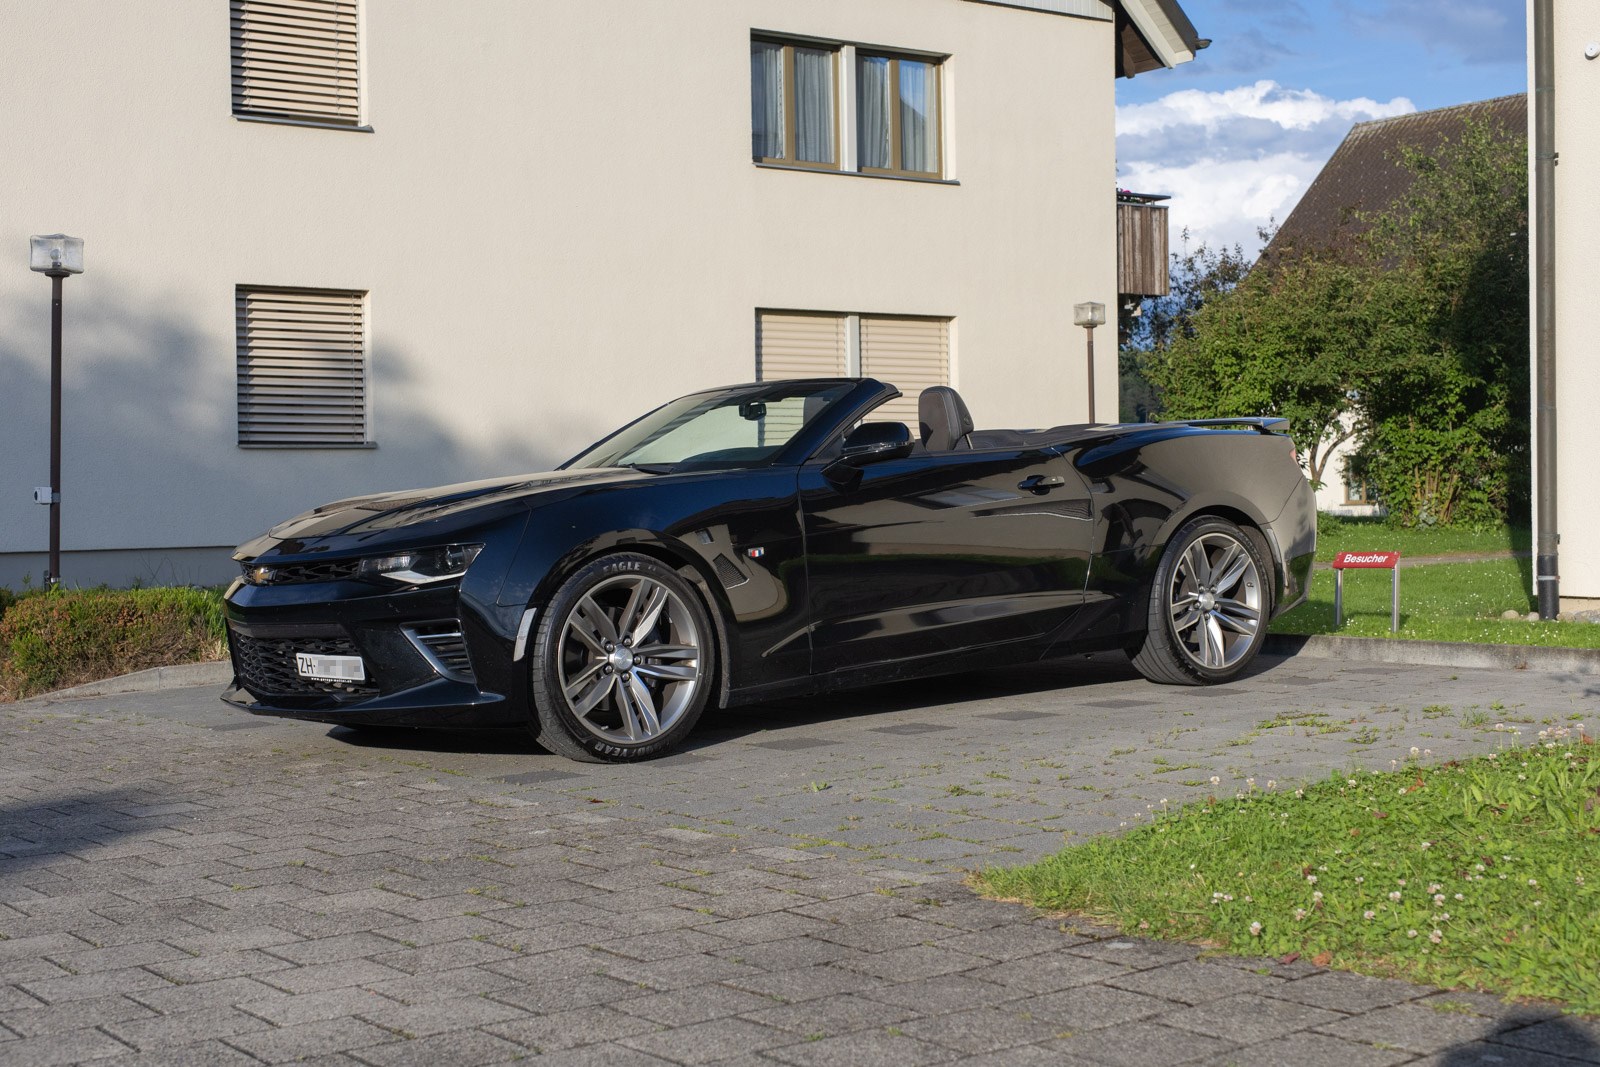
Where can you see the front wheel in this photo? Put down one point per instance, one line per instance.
(1209, 606)
(622, 662)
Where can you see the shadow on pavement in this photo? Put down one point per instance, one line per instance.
(1545, 1043)
(41, 832)
(718, 726)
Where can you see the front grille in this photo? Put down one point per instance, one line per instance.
(322, 570)
(443, 645)
(266, 666)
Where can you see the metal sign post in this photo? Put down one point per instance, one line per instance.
(1389, 561)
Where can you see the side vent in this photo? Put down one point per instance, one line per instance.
(729, 572)
(444, 647)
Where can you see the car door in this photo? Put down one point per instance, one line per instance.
(937, 552)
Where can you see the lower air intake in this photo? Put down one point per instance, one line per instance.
(444, 647)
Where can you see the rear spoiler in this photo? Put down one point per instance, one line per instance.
(1260, 425)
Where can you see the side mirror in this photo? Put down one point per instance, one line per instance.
(872, 442)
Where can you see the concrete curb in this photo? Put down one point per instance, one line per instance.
(182, 676)
(1435, 653)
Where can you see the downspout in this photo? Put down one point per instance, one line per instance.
(1546, 571)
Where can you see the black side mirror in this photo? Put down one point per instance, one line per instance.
(873, 442)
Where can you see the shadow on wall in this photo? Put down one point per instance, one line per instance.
(150, 459)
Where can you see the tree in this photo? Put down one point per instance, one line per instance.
(1448, 409)
(1412, 338)
(1288, 342)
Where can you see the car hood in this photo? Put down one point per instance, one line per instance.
(363, 517)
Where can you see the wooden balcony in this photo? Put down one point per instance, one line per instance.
(1142, 264)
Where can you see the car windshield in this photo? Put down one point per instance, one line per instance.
(709, 431)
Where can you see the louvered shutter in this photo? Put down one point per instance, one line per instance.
(793, 344)
(302, 367)
(296, 59)
(909, 353)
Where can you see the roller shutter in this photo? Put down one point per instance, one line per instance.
(911, 353)
(302, 367)
(296, 59)
(792, 344)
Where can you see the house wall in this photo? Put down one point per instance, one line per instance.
(1577, 265)
(556, 218)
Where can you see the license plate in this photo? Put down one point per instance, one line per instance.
(330, 668)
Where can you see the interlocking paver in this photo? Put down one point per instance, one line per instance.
(476, 897)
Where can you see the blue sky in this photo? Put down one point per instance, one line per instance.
(1237, 135)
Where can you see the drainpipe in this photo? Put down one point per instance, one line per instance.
(1546, 570)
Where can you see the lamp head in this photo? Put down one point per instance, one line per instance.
(55, 254)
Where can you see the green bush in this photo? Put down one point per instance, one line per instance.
(65, 638)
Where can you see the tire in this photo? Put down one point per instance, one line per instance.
(1205, 627)
(599, 695)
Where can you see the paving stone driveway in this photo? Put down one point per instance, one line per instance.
(180, 884)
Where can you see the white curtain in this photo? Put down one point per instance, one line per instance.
(872, 106)
(919, 117)
(766, 100)
(813, 91)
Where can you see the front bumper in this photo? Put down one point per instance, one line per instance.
(424, 656)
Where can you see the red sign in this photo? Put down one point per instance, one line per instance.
(1384, 561)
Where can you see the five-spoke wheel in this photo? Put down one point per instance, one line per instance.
(622, 661)
(1208, 605)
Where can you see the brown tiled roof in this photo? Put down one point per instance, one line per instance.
(1365, 175)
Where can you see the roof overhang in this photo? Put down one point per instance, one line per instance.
(1150, 34)
(1165, 29)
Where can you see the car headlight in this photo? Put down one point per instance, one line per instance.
(422, 566)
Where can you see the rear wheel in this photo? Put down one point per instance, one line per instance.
(1208, 606)
(622, 661)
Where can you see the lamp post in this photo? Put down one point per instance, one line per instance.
(1089, 315)
(54, 255)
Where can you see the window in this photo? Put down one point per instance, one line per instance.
(911, 352)
(897, 115)
(296, 61)
(844, 107)
(302, 367)
(793, 118)
(1359, 491)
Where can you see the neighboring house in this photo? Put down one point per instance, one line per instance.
(342, 246)
(1576, 34)
(1364, 176)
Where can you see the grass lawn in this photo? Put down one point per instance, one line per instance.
(1438, 602)
(1481, 874)
(1335, 535)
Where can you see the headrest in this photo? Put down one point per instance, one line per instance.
(943, 418)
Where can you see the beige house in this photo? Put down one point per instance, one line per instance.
(339, 246)
(1576, 32)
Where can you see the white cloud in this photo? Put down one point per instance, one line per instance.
(1235, 159)
(1222, 202)
(1289, 109)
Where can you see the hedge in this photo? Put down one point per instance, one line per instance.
(63, 638)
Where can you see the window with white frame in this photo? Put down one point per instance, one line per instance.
(846, 107)
(296, 61)
(302, 367)
(911, 352)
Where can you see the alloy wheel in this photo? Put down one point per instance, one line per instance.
(630, 659)
(1214, 601)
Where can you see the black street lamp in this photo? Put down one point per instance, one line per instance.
(55, 255)
(1089, 315)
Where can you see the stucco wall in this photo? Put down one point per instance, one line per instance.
(556, 217)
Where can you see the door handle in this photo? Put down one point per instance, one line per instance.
(1041, 483)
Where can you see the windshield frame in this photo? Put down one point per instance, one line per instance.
(859, 393)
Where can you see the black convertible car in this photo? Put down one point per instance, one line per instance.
(764, 540)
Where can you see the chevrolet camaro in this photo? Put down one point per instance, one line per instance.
(767, 540)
